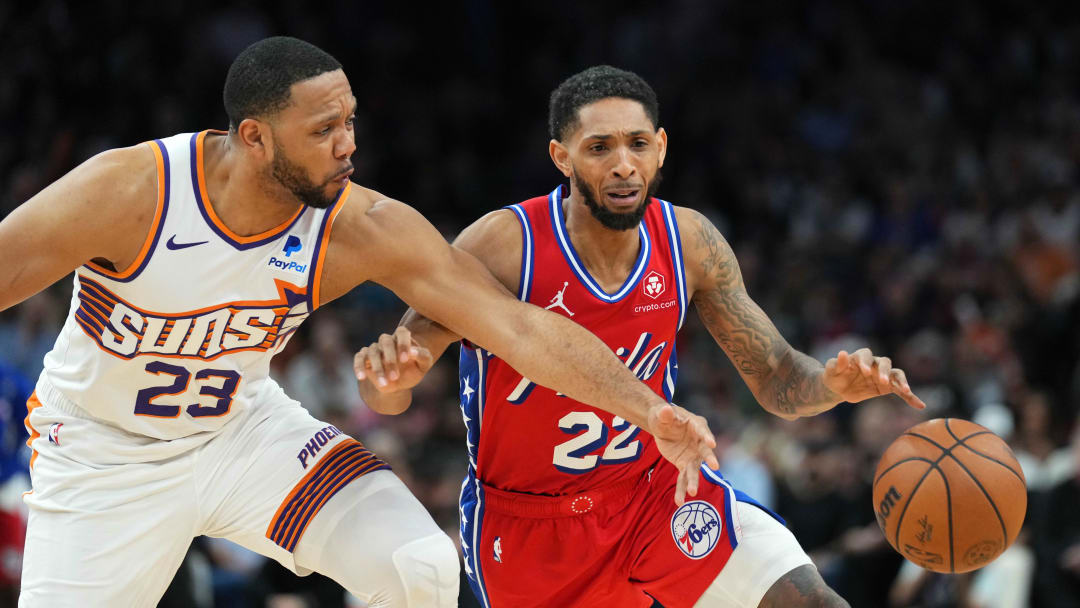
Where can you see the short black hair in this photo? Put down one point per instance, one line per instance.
(596, 83)
(260, 77)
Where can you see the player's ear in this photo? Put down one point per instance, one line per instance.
(254, 135)
(560, 156)
(661, 144)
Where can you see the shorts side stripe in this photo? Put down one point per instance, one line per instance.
(32, 404)
(347, 461)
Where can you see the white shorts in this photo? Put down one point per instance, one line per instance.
(766, 551)
(112, 514)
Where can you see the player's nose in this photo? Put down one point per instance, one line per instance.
(623, 168)
(345, 145)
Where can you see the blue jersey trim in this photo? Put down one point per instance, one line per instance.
(717, 479)
(558, 222)
(675, 241)
(525, 282)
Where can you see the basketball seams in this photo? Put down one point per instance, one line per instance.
(911, 495)
(989, 499)
(948, 508)
(900, 462)
(992, 459)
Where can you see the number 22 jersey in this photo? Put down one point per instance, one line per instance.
(523, 437)
(180, 342)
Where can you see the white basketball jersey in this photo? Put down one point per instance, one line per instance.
(181, 341)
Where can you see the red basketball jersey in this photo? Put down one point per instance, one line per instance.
(528, 438)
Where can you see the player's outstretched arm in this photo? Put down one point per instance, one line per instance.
(451, 287)
(101, 210)
(785, 381)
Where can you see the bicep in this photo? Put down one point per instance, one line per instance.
(736, 322)
(439, 281)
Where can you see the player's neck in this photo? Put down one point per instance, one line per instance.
(239, 197)
(609, 255)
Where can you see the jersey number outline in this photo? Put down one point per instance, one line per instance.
(574, 456)
(144, 399)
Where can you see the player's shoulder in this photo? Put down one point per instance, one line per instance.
(125, 177)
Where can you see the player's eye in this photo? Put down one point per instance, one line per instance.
(597, 148)
(640, 143)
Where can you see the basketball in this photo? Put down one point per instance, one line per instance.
(949, 495)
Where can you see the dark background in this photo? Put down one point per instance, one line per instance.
(899, 175)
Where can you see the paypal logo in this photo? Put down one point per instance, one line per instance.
(292, 245)
(287, 265)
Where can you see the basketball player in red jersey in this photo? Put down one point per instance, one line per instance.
(568, 505)
(195, 258)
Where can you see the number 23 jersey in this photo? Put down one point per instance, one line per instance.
(180, 342)
(527, 438)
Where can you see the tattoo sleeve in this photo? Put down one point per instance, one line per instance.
(785, 381)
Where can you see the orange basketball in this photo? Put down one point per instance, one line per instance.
(949, 495)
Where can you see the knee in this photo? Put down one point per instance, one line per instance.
(803, 588)
(429, 572)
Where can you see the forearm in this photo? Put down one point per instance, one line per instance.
(793, 388)
(555, 352)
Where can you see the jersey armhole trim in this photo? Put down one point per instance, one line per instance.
(675, 242)
(161, 160)
(315, 278)
(525, 281)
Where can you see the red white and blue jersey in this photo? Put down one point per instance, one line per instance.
(543, 442)
(180, 342)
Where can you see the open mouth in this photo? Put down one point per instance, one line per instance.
(623, 196)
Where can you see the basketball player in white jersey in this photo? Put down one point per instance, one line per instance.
(196, 257)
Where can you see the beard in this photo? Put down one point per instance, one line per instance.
(610, 219)
(294, 179)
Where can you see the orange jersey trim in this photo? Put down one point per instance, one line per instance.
(209, 207)
(154, 225)
(316, 270)
(32, 404)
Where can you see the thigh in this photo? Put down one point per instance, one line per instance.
(101, 535)
(680, 549)
(271, 477)
(767, 551)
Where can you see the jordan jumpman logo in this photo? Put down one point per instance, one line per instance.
(557, 301)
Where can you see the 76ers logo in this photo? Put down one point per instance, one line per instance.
(695, 526)
(653, 285)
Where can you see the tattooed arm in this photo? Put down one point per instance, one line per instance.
(785, 381)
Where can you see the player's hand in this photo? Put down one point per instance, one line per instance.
(861, 375)
(685, 440)
(393, 363)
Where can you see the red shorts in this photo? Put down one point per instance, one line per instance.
(613, 546)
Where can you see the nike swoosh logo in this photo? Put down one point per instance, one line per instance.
(172, 244)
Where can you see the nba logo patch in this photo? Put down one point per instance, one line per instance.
(696, 526)
(54, 433)
(498, 549)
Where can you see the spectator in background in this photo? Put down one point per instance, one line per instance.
(1058, 541)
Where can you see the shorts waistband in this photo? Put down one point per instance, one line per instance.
(570, 505)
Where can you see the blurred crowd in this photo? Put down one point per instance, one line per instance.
(898, 175)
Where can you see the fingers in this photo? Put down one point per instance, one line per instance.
(881, 371)
(403, 341)
(388, 351)
(902, 389)
(693, 476)
(864, 359)
(680, 488)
